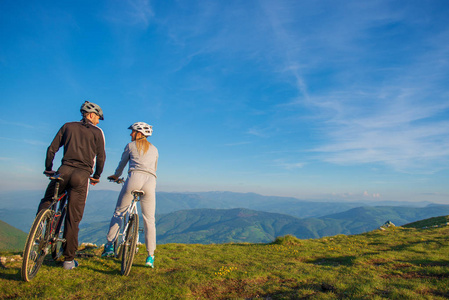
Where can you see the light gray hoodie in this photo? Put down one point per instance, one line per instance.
(137, 161)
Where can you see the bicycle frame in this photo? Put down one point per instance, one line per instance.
(58, 221)
(125, 244)
(132, 210)
(58, 210)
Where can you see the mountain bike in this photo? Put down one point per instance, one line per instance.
(45, 234)
(125, 244)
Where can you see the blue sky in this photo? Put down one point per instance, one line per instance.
(328, 100)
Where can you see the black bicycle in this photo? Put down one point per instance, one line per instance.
(46, 234)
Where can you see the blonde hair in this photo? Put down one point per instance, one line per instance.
(142, 144)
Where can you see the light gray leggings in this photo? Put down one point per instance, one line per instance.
(137, 181)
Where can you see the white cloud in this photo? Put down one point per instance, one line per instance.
(25, 141)
(131, 12)
(257, 132)
(373, 195)
(403, 133)
(288, 165)
(237, 144)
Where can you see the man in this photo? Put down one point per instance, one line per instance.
(83, 144)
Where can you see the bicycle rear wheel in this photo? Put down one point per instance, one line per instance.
(37, 244)
(130, 244)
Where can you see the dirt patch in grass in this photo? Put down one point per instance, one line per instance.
(415, 275)
(255, 288)
(399, 266)
(225, 288)
(377, 262)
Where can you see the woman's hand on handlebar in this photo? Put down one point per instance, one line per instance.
(116, 179)
(113, 178)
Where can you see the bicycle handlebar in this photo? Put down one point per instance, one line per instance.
(118, 181)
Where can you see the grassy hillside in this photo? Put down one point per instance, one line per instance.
(398, 263)
(362, 219)
(431, 222)
(11, 238)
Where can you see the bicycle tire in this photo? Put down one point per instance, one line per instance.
(57, 247)
(130, 244)
(36, 247)
(118, 247)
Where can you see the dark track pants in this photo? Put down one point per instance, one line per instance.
(76, 182)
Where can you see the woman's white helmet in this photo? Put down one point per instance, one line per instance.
(142, 127)
(89, 107)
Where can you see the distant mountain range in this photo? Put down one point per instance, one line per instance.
(207, 226)
(221, 217)
(19, 209)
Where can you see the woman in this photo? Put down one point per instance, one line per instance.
(142, 157)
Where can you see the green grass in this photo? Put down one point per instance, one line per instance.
(398, 263)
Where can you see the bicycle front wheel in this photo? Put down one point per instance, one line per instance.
(130, 244)
(118, 247)
(37, 244)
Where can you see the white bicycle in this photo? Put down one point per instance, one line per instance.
(125, 245)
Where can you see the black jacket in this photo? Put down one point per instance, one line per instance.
(83, 147)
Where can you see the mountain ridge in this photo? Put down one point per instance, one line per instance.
(19, 209)
(208, 226)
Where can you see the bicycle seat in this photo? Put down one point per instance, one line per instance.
(57, 178)
(138, 192)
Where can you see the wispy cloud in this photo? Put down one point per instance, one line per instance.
(237, 144)
(131, 12)
(369, 195)
(288, 165)
(405, 134)
(16, 124)
(35, 143)
(381, 104)
(25, 141)
(260, 132)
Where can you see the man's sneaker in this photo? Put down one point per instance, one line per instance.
(70, 264)
(108, 250)
(150, 261)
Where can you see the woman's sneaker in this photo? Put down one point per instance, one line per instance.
(71, 264)
(108, 250)
(150, 261)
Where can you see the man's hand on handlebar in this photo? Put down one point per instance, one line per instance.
(94, 181)
(49, 173)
